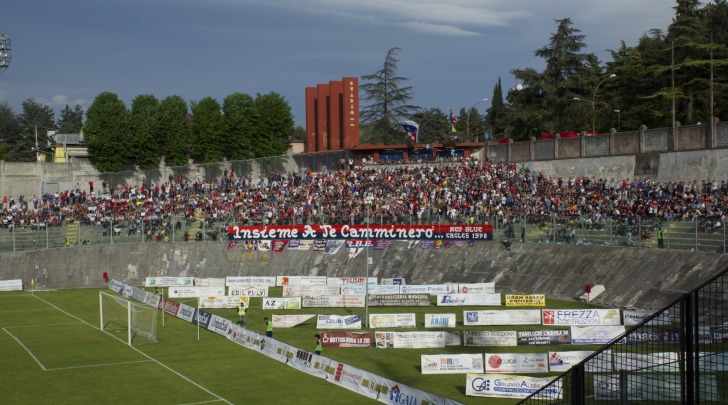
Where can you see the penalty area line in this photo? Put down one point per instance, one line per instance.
(26, 349)
(177, 373)
(99, 365)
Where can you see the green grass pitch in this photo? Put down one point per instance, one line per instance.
(52, 351)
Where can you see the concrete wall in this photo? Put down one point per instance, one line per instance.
(684, 166)
(639, 278)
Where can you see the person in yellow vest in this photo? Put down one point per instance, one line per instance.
(158, 292)
(268, 327)
(318, 348)
(241, 313)
(660, 242)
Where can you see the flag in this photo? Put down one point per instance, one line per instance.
(453, 120)
(413, 130)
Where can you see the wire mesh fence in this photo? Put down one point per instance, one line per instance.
(165, 224)
(678, 355)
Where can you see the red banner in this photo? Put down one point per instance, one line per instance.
(364, 232)
(346, 339)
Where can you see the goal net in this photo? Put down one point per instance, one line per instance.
(129, 321)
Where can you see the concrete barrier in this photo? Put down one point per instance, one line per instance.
(635, 278)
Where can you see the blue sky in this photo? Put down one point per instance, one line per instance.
(453, 52)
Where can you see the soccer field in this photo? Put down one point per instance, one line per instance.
(54, 352)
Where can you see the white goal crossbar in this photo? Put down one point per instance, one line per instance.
(129, 321)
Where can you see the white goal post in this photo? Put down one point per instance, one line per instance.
(129, 321)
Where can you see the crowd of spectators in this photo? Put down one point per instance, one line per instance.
(462, 190)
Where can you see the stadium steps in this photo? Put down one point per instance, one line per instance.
(195, 226)
(72, 232)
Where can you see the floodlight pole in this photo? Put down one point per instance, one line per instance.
(5, 54)
(467, 120)
(594, 100)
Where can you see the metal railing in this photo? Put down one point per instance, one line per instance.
(699, 236)
(679, 355)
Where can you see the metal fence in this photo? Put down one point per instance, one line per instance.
(699, 235)
(676, 356)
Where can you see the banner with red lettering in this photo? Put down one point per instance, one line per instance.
(366, 232)
(346, 339)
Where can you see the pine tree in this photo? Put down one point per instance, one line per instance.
(389, 102)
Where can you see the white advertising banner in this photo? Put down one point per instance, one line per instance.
(245, 281)
(594, 335)
(432, 289)
(658, 387)
(581, 317)
(303, 244)
(631, 317)
(275, 349)
(378, 321)
(169, 282)
(477, 288)
(453, 300)
(453, 339)
(451, 363)
(300, 280)
(354, 379)
(510, 386)
(440, 321)
(186, 312)
(334, 301)
(282, 303)
(249, 291)
(223, 302)
(350, 281)
(303, 290)
(244, 337)
(372, 289)
(309, 363)
(395, 281)
(209, 282)
(11, 285)
(409, 340)
(502, 317)
(398, 393)
(219, 325)
(490, 338)
(647, 362)
(194, 292)
(516, 363)
(338, 322)
(563, 361)
(289, 321)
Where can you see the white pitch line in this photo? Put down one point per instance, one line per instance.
(43, 325)
(26, 349)
(99, 365)
(142, 353)
(203, 402)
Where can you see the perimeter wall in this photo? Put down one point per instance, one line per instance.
(634, 278)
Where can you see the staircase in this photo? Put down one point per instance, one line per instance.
(72, 233)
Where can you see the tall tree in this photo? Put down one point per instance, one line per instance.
(389, 101)
(71, 120)
(543, 102)
(9, 131)
(434, 125)
(275, 125)
(35, 122)
(240, 114)
(174, 131)
(690, 38)
(494, 116)
(107, 133)
(208, 131)
(145, 140)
